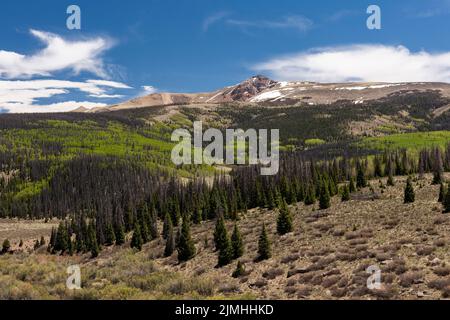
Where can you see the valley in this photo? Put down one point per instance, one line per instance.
(100, 189)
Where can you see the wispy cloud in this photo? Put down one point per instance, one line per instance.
(149, 89)
(21, 96)
(59, 54)
(296, 22)
(432, 8)
(360, 63)
(212, 19)
(342, 14)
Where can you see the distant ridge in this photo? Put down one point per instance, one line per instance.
(260, 89)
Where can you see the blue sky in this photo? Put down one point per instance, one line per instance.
(130, 48)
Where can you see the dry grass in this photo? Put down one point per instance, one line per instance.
(326, 257)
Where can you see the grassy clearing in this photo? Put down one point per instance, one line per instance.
(411, 141)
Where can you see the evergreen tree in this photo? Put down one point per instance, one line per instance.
(175, 212)
(270, 200)
(52, 238)
(437, 177)
(21, 243)
(361, 181)
(264, 251)
(352, 187)
(390, 181)
(177, 237)
(377, 170)
(79, 243)
(145, 232)
(136, 240)
(409, 192)
(324, 200)
(240, 270)
(220, 234)
(119, 233)
(442, 191)
(93, 243)
(225, 253)
(6, 246)
(110, 237)
(153, 223)
(36, 245)
(345, 193)
(198, 216)
(237, 243)
(310, 196)
(61, 239)
(170, 242)
(437, 167)
(446, 202)
(70, 246)
(284, 221)
(186, 247)
(166, 226)
(42, 242)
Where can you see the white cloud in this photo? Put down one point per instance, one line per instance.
(59, 54)
(342, 14)
(65, 106)
(149, 89)
(297, 22)
(21, 96)
(360, 63)
(209, 21)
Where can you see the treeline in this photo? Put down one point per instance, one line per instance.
(101, 199)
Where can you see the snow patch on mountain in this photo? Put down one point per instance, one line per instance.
(269, 95)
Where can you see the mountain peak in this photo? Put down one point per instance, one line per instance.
(251, 87)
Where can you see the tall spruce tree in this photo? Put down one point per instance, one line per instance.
(110, 237)
(166, 226)
(186, 247)
(437, 167)
(61, 239)
(225, 254)
(324, 199)
(310, 196)
(94, 247)
(79, 243)
(220, 233)
(345, 193)
(361, 181)
(144, 228)
(352, 187)
(170, 242)
(264, 250)
(237, 243)
(153, 223)
(136, 239)
(197, 216)
(409, 192)
(284, 221)
(119, 233)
